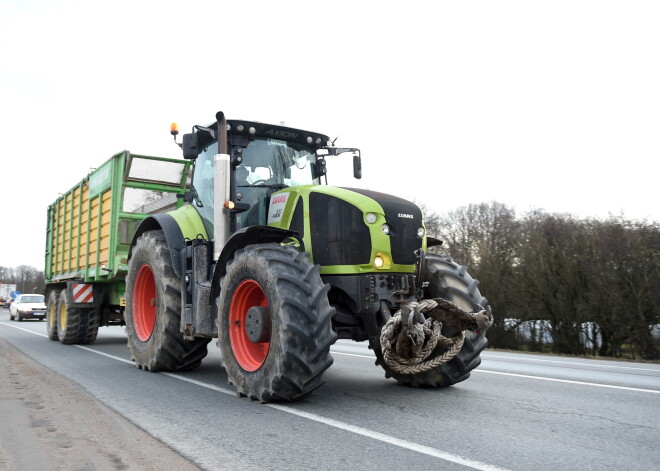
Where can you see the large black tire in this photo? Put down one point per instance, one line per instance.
(75, 325)
(51, 314)
(450, 281)
(153, 310)
(287, 361)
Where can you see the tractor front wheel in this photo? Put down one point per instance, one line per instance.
(274, 324)
(450, 281)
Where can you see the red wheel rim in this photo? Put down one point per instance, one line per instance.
(144, 303)
(249, 355)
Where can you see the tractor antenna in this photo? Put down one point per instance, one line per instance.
(333, 142)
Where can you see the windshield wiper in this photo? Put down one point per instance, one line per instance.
(196, 199)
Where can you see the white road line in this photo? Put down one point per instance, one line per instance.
(582, 383)
(489, 356)
(389, 439)
(353, 355)
(416, 447)
(124, 360)
(24, 330)
(540, 378)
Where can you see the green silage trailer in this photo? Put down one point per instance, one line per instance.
(89, 233)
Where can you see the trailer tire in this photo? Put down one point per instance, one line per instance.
(153, 310)
(89, 326)
(450, 281)
(284, 357)
(51, 314)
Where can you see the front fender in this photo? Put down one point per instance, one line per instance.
(240, 239)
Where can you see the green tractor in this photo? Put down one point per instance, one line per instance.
(278, 266)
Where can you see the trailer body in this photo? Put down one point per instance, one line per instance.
(90, 228)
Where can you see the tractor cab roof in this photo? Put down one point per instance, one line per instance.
(240, 131)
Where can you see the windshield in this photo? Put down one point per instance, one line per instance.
(37, 298)
(275, 162)
(268, 165)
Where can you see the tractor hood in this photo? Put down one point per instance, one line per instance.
(349, 230)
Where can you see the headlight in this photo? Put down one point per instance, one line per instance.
(385, 228)
(371, 218)
(382, 261)
(420, 232)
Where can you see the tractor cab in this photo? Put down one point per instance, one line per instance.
(264, 159)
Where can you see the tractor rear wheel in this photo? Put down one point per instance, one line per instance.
(450, 281)
(51, 314)
(274, 324)
(153, 310)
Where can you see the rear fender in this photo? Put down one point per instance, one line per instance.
(179, 225)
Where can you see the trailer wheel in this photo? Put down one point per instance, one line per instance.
(274, 324)
(75, 325)
(51, 314)
(451, 281)
(153, 310)
(89, 326)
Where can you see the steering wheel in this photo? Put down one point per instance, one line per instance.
(258, 182)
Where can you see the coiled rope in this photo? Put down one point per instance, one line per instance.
(409, 338)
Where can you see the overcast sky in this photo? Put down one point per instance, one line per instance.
(550, 105)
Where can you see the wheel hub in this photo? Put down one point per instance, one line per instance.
(144, 303)
(257, 324)
(249, 325)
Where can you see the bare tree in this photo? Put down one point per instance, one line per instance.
(583, 286)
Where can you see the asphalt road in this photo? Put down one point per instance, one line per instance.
(516, 412)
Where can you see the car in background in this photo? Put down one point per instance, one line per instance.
(28, 306)
(8, 302)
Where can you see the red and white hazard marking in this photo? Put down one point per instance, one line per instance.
(83, 293)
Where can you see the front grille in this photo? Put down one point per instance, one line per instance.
(404, 219)
(403, 239)
(339, 233)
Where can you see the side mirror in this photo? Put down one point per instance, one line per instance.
(189, 146)
(357, 166)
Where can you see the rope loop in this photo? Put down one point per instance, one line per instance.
(408, 338)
